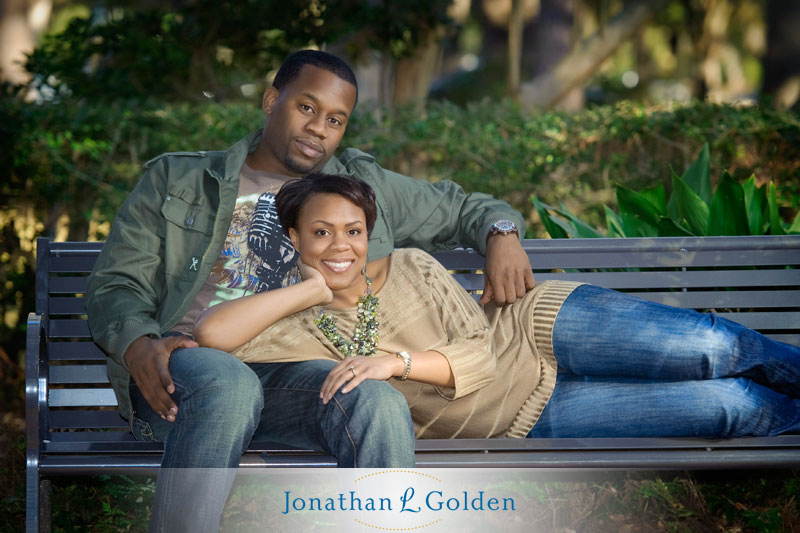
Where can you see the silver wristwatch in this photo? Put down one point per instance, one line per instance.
(406, 357)
(503, 227)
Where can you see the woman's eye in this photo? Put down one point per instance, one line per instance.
(355, 232)
(321, 232)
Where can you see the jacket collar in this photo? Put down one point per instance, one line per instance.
(236, 155)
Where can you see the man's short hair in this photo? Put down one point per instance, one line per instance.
(295, 193)
(291, 68)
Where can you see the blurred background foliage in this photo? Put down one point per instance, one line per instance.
(584, 103)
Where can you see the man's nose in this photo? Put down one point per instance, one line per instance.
(316, 126)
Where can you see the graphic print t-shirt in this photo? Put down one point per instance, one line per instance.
(257, 255)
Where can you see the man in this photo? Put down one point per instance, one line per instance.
(201, 227)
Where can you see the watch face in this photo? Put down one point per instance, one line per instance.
(504, 226)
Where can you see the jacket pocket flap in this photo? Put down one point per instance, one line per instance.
(186, 215)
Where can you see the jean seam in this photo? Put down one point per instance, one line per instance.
(347, 432)
(338, 405)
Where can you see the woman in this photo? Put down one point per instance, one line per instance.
(567, 360)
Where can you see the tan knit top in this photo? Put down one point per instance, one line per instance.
(502, 359)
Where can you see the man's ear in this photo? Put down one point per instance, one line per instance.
(294, 237)
(268, 100)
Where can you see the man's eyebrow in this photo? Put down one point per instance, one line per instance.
(316, 101)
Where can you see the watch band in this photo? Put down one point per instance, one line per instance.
(406, 357)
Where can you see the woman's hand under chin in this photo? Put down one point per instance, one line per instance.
(310, 274)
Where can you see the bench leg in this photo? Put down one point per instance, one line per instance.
(45, 506)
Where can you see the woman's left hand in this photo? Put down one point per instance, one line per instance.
(353, 370)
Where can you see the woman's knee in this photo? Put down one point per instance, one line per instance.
(379, 400)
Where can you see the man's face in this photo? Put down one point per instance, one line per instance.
(307, 119)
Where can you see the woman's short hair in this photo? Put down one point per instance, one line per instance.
(295, 193)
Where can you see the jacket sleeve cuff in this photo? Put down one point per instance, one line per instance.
(129, 331)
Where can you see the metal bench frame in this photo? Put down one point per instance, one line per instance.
(73, 426)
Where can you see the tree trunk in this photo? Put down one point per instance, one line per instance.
(413, 76)
(551, 38)
(782, 62)
(21, 22)
(588, 55)
(515, 25)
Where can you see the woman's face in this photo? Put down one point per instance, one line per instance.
(331, 236)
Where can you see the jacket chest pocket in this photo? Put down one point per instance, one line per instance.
(185, 215)
(189, 229)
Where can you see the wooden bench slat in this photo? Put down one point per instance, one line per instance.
(68, 328)
(67, 284)
(725, 299)
(774, 278)
(678, 279)
(72, 262)
(80, 419)
(91, 436)
(81, 398)
(66, 305)
(769, 321)
(78, 374)
(75, 351)
(791, 338)
(665, 259)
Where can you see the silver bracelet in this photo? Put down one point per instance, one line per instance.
(406, 357)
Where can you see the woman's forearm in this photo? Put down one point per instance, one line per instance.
(228, 325)
(429, 367)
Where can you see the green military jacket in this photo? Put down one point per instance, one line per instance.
(171, 229)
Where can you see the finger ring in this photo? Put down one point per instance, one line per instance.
(351, 369)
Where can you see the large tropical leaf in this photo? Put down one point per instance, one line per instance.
(698, 175)
(775, 225)
(727, 213)
(795, 227)
(582, 229)
(686, 208)
(669, 228)
(554, 229)
(648, 205)
(755, 202)
(615, 225)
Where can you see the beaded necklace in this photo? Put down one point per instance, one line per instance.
(365, 337)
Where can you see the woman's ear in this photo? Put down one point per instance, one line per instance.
(294, 237)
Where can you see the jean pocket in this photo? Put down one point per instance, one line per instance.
(141, 430)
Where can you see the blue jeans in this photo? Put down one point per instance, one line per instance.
(633, 368)
(224, 403)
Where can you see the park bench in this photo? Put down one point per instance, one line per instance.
(73, 427)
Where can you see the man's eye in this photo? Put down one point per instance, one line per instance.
(335, 121)
(306, 108)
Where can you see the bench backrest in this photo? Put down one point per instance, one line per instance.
(752, 280)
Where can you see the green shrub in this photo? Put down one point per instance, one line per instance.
(692, 209)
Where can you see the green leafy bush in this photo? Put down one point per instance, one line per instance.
(691, 210)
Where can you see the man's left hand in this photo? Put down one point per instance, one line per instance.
(508, 271)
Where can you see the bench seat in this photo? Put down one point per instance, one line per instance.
(73, 426)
